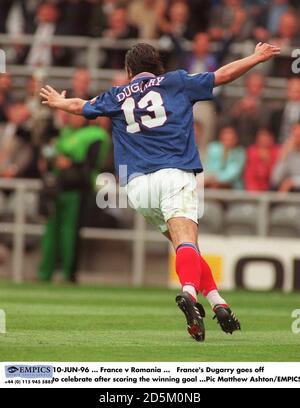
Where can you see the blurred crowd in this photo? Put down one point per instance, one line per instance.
(247, 141)
(174, 22)
(250, 142)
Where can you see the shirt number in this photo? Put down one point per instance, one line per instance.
(152, 102)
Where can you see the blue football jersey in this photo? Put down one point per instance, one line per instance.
(152, 121)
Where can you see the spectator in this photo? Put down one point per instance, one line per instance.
(248, 114)
(225, 161)
(288, 31)
(29, 12)
(33, 85)
(175, 21)
(268, 20)
(42, 125)
(199, 15)
(109, 6)
(201, 59)
(77, 15)
(5, 95)
(19, 16)
(79, 152)
(41, 52)
(16, 151)
(287, 36)
(5, 9)
(282, 120)
(137, 11)
(175, 29)
(230, 19)
(295, 4)
(80, 88)
(286, 173)
(23, 13)
(102, 12)
(260, 159)
(81, 83)
(118, 28)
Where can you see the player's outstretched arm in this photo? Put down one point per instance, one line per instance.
(56, 100)
(228, 73)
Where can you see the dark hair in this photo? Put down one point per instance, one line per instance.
(143, 57)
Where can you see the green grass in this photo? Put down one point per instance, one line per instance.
(66, 323)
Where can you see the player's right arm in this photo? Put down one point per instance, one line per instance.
(102, 105)
(56, 100)
(228, 73)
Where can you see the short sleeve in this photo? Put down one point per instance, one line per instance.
(104, 105)
(199, 87)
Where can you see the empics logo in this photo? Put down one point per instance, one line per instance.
(2, 62)
(29, 371)
(12, 370)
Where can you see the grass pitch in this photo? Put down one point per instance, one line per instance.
(83, 323)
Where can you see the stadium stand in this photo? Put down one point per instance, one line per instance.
(213, 218)
(231, 30)
(241, 219)
(285, 221)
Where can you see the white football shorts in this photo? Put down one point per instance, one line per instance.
(163, 195)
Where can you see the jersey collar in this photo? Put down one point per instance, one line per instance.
(143, 75)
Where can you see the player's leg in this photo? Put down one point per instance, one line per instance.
(178, 204)
(70, 209)
(179, 207)
(144, 194)
(183, 234)
(182, 230)
(208, 288)
(49, 248)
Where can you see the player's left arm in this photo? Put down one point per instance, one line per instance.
(57, 100)
(263, 52)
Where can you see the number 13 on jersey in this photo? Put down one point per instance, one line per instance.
(151, 102)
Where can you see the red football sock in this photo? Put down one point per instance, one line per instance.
(207, 282)
(188, 267)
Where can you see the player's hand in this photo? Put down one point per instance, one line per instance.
(266, 51)
(51, 96)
